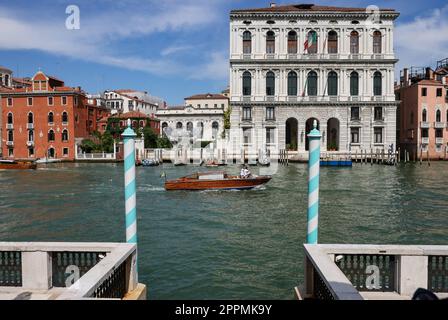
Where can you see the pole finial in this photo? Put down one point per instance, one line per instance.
(314, 124)
(129, 123)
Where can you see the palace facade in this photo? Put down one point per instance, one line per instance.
(292, 64)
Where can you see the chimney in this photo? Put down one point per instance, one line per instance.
(405, 81)
(273, 4)
(429, 74)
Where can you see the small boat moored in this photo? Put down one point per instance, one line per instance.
(215, 181)
(17, 165)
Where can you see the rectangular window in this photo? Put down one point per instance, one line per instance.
(64, 101)
(29, 102)
(198, 105)
(222, 105)
(378, 135)
(270, 113)
(9, 102)
(43, 85)
(424, 92)
(50, 101)
(31, 152)
(206, 105)
(425, 133)
(354, 133)
(378, 114)
(439, 133)
(10, 152)
(270, 135)
(439, 92)
(65, 152)
(354, 113)
(216, 105)
(247, 135)
(247, 113)
(76, 101)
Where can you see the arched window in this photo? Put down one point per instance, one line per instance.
(332, 42)
(270, 42)
(438, 116)
(247, 42)
(30, 118)
(377, 84)
(292, 83)
(50, 117)
(64, 135)
(247, 83)
(292, 42)
(312, 83)
(354, 84)
(354, 42)
(7, 80)
(179, 125)
(142, 123)
(424, 115)
(311, 42)
(10, 118)
(30, 135)
(377, 38)
(215, 128)
(64, 117)
(270, 83)
(201, 130)
(332, 84)
(51, 135)
(190, 127)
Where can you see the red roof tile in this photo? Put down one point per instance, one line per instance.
(304, 8)
(207, 96)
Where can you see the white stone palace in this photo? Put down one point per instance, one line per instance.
(343, 77)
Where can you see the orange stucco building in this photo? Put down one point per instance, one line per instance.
(45, 119)
(423, 112)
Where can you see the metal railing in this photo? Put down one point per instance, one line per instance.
(357, 272)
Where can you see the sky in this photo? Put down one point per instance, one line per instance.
(170, 48)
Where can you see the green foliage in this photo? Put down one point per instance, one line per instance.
(164, 143)
(88, 146)
(150, 137)
(227, 114)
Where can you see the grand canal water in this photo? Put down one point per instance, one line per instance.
(227, 244)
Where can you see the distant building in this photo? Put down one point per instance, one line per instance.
(202, 115)
(45, 119)
(293, 64)
(126, 100)
(5, 77)
(117, 123)
(423, 111)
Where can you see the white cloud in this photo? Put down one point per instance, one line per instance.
(424, 40)
(176, 49)
(98, 39)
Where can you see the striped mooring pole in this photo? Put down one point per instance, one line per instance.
(313, 184)
(129, 183)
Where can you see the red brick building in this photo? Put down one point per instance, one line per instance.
(45, 119)
(118, 123)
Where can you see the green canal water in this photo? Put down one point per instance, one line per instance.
(226, 244)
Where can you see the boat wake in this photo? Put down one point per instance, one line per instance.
(149, 188)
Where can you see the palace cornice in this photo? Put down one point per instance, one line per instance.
(310, 61)
(313, 15)
(314, 103)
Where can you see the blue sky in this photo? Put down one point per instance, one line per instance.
(170, 48)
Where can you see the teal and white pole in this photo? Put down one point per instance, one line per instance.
(129, 183)
(313, 184)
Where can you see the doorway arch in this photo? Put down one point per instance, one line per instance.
(291, 134)
(308, 128)
(333, 134)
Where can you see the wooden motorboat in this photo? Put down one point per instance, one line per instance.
(215, 181)
(47, 160)
(17, 165)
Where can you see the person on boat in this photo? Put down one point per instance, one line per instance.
(245, 173)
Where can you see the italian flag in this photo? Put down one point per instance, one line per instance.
(311, 40)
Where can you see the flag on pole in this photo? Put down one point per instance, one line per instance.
(310, 40)
(304, 88)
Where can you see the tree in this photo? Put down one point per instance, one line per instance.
(227, 114)
(150, 137)
(164, 143)
(107, 142)
(88, 146)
